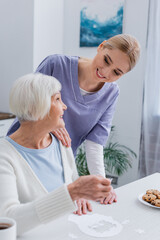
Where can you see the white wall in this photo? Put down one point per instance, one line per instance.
(16, 44)
(30, 30)
(56, 30)
(127, 118)
(48, 29)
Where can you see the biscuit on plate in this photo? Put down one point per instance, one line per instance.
(149, 197)
(156, 202)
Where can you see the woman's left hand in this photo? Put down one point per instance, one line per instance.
(83, 206)
(63, 136)
(112, 197)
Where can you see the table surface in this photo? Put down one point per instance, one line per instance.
(139, 221)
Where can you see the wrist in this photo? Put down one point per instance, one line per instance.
(72, 191)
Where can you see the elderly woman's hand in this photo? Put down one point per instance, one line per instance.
(112, 197)
(90, 187)
(63, 136)
(83, 206)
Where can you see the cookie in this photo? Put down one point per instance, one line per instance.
(149, 197)
(153, 191)
(156, 202)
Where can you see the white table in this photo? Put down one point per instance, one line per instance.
(141, 222)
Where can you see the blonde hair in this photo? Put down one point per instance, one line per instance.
(30, 96)
(127, 44)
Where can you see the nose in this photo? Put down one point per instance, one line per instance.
(64, 106)
(107, 72)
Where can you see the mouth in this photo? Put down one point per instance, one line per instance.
(99, 75)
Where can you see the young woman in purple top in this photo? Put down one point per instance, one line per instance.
(90, 92)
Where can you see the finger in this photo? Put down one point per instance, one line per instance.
(89, 206)
(107, 199)
(84, 207)
(115, 198)
(106, 181)
(79, 211)
(111, 199)
(57, 134)
(102, 200)
(67, 134)
(62, 137)
(106, 189)
(66, 137)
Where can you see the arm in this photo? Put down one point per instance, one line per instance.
(94, 156)
(95, 161)
(29, 214)
(32, 206)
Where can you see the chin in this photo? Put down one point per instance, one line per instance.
(62, 125)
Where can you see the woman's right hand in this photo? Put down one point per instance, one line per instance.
(83, 206)
(63, 136)
(90, 187)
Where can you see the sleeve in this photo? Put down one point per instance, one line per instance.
(100, 132)
(46, 66)
(94, 156)
(30, 214)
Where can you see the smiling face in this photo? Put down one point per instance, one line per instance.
(57, 109)
(109, 65)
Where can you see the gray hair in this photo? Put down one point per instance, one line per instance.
(30, 96)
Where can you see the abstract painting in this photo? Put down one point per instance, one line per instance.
(100, 20)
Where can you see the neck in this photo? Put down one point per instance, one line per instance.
(85, 77)
(32, 135)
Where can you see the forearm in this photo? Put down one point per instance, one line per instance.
(94, 156)
(42, 210)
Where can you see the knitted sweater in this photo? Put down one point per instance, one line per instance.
(22, 195)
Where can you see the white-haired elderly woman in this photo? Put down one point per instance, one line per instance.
(38, 176)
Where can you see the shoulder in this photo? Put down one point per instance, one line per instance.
(67, 154)
(6, 153)
(56, 64)
(7, 149)
(61, 59)
(67, 151)
(115, 87)
(111, 89)
(3, 144)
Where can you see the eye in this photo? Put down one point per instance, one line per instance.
(116, 73)
(58, 98)
(106, 60)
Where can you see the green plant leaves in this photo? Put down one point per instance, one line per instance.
(81, 162)
(118, 158)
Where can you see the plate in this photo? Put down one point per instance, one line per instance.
(144, 202)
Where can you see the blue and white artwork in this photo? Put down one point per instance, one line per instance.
(100, 20)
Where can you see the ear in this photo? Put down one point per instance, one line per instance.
(101, 45)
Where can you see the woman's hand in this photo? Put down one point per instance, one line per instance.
(83, 205)
(63, 136)
(90, 187)
(112, 197)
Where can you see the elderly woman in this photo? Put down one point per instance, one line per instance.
(36, 170)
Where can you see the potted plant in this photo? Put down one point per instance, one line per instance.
(117, 158)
